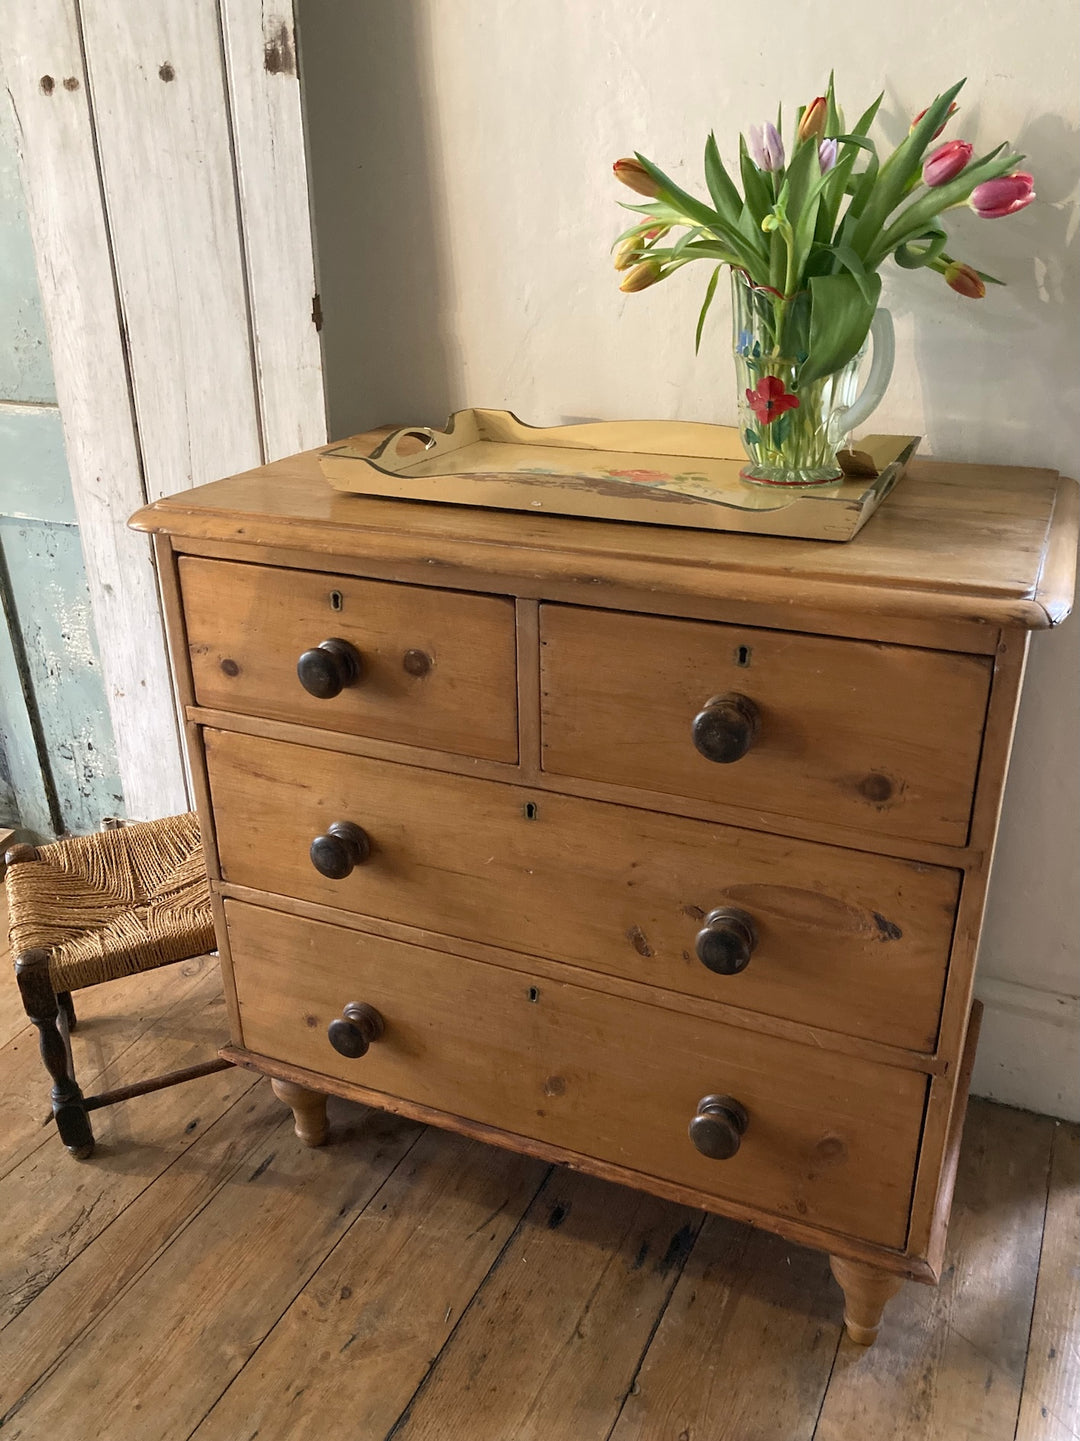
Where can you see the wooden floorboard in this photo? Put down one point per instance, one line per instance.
(1050, 1404)
(206, 1278)
(950, 1360)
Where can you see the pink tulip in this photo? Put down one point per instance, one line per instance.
(1003, 196)
(827, 155)
(946, 162)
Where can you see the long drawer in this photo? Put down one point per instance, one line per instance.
(883, 738)
(432, 668)
(831, 1140)
(842, 940)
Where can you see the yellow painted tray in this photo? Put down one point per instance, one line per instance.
(659, 472)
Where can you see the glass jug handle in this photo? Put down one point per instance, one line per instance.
(873, 391)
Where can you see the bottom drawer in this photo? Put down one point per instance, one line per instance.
(831, 1139)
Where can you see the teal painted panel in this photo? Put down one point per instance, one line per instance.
(52, 604)
(34, 479)
(28, 804)
(25, 366)
(9, 810)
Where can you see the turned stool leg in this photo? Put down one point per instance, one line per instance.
(308, 1108)
(866, 1290)
(41, 1005)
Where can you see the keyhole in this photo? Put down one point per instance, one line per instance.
(742, 655)
(533, 993)
(337, 600)
(532, 810)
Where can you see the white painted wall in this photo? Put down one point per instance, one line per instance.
(460, 155)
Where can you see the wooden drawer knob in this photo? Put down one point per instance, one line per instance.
(355, 1029)
(719, 1126)
(343, 847)
(325, 671)
(726, 728)
(726, 941)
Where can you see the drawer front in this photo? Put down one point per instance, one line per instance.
(845, 941)
(831, 1140)
(437, 668)
(883, 738)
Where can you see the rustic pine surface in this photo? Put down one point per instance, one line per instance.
(205, 1276)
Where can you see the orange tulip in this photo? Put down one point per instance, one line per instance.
(813, 120)
(634, 174)
(964, 280)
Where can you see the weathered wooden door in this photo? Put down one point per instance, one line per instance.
(163, 161)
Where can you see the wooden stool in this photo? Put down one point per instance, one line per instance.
(95, 908)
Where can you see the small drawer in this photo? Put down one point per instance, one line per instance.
(881, 738)
(839, 939)
(427, 668)
(830, 1140)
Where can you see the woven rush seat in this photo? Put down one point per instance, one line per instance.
(96, 908)
(114, 903)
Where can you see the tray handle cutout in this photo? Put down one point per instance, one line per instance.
(423, 434)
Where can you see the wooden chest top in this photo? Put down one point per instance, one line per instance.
(993, 545)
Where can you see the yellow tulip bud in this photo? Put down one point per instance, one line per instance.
(641, 276)
(627, 252)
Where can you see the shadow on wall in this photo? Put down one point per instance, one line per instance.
(380, 265)
(1035, 253)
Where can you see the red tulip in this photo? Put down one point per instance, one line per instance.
(768, 399)
(964, 280)
(813, 120)
(634, 174)
(1003, 196)
(946, 162)
(948, 116)
(641, 276)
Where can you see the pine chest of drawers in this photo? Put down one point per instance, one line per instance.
(657, 853)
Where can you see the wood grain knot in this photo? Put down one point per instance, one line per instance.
(876, 787)
(831, 1150)
(230, 667)
(637, 938)
(555, 1086)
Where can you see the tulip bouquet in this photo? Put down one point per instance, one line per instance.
(805, 238)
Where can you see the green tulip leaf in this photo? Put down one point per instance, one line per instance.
(710, 291)
(894, 180)
(722, 189)
(756, 187)
(864, 279)
(912, 256)
(840, 317)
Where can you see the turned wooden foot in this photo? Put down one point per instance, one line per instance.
(866, 1290)
(308, 1108)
